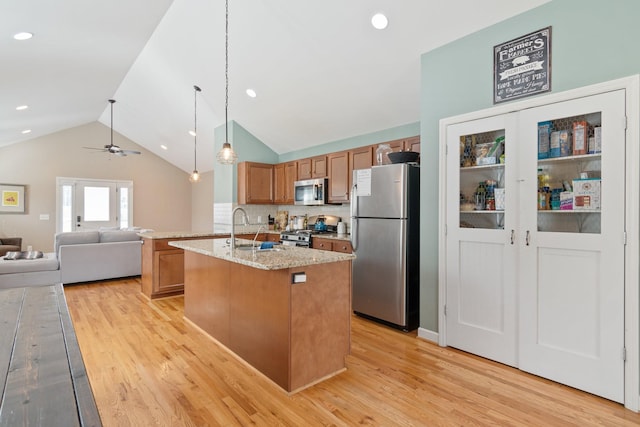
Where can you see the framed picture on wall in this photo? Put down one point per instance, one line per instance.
(522, 66)
(12, 198)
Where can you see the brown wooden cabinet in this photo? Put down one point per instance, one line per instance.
(272, 237)
(339, 179)
(255, 183)
(412, 144)
(406, 144)
(313, 167)
(162, 267)
(325, 244)
(397, 145)
(296, 335)
(362, 157)
(284, 175)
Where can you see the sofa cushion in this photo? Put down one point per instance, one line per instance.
(49, 262)
(118, 236)
(76, 238)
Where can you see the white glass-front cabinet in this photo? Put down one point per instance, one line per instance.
(534, 244)
(480, 259)
(571, 281)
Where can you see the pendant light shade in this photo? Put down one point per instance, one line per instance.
(226, 155)
(195, 176)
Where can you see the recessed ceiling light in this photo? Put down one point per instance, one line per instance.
(22, 107)
(379, 21)
(192, 133)
(26, 131)
(23, 36)
(164, 147)
(251, 93)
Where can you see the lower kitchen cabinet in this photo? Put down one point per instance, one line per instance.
(162, 267)
(334, 245)
(530, 281)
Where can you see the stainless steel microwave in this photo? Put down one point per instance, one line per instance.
(310, 192)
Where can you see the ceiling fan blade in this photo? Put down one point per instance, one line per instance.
(130, 151)
(93, 148)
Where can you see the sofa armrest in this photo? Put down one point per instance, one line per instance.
(13, 241)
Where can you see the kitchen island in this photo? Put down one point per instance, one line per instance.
(285, 312)
(163, 265)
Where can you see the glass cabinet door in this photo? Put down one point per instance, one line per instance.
(572, 205)
(478, 155)
(569, 174)
(481, 205)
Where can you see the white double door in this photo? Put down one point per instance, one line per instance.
(547, 300)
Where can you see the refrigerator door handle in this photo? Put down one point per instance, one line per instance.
(354, 234)
(354, 217)
(354, 200)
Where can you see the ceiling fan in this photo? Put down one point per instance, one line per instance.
(111, 148)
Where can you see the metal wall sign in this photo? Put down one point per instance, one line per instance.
(522, 66)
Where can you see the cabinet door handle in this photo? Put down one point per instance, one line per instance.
(527, 238)
(512, 236)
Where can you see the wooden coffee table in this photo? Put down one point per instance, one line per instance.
(42, 375)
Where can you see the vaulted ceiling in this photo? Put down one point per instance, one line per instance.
(320, 70)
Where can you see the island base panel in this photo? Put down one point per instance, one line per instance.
(295, 334)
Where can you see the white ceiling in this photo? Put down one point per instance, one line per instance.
(321, 71)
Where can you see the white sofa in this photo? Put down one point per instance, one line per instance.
(79, 256)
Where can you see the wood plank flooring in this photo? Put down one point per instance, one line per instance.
(148, 366)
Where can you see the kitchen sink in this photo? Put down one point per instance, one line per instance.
(256, 248)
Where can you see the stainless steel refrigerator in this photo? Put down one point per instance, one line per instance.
(385, 235)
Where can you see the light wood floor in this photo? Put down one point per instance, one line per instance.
(147, 366)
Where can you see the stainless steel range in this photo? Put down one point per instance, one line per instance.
(316, 225)
(301, 238)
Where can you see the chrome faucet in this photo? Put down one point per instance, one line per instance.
(256, 237)
(245, 221)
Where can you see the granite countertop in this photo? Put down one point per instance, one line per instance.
(284, 257)
(190, 234)
(333, 236)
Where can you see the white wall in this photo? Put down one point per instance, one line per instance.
(162, 192)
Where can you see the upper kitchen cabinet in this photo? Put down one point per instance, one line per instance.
(412, 144)
(255, 183)
(405, 144)
(314, 167)
(362, 157)
(284, 176)
(339, 182)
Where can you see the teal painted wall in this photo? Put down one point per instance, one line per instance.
(251, 149)
(248, 148)
(404, 131)
(592, 41)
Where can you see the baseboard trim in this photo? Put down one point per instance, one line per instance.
(428, 335)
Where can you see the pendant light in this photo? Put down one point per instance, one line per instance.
(195, 176)
(226, 155)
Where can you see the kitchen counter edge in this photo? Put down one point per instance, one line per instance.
(286, 257)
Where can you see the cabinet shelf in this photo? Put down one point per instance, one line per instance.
(480, 167)
(566, 212)
(482, 212)
(580, 157)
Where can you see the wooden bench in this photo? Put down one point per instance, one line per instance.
(43, 380)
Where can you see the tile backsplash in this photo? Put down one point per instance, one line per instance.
(258, 214)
